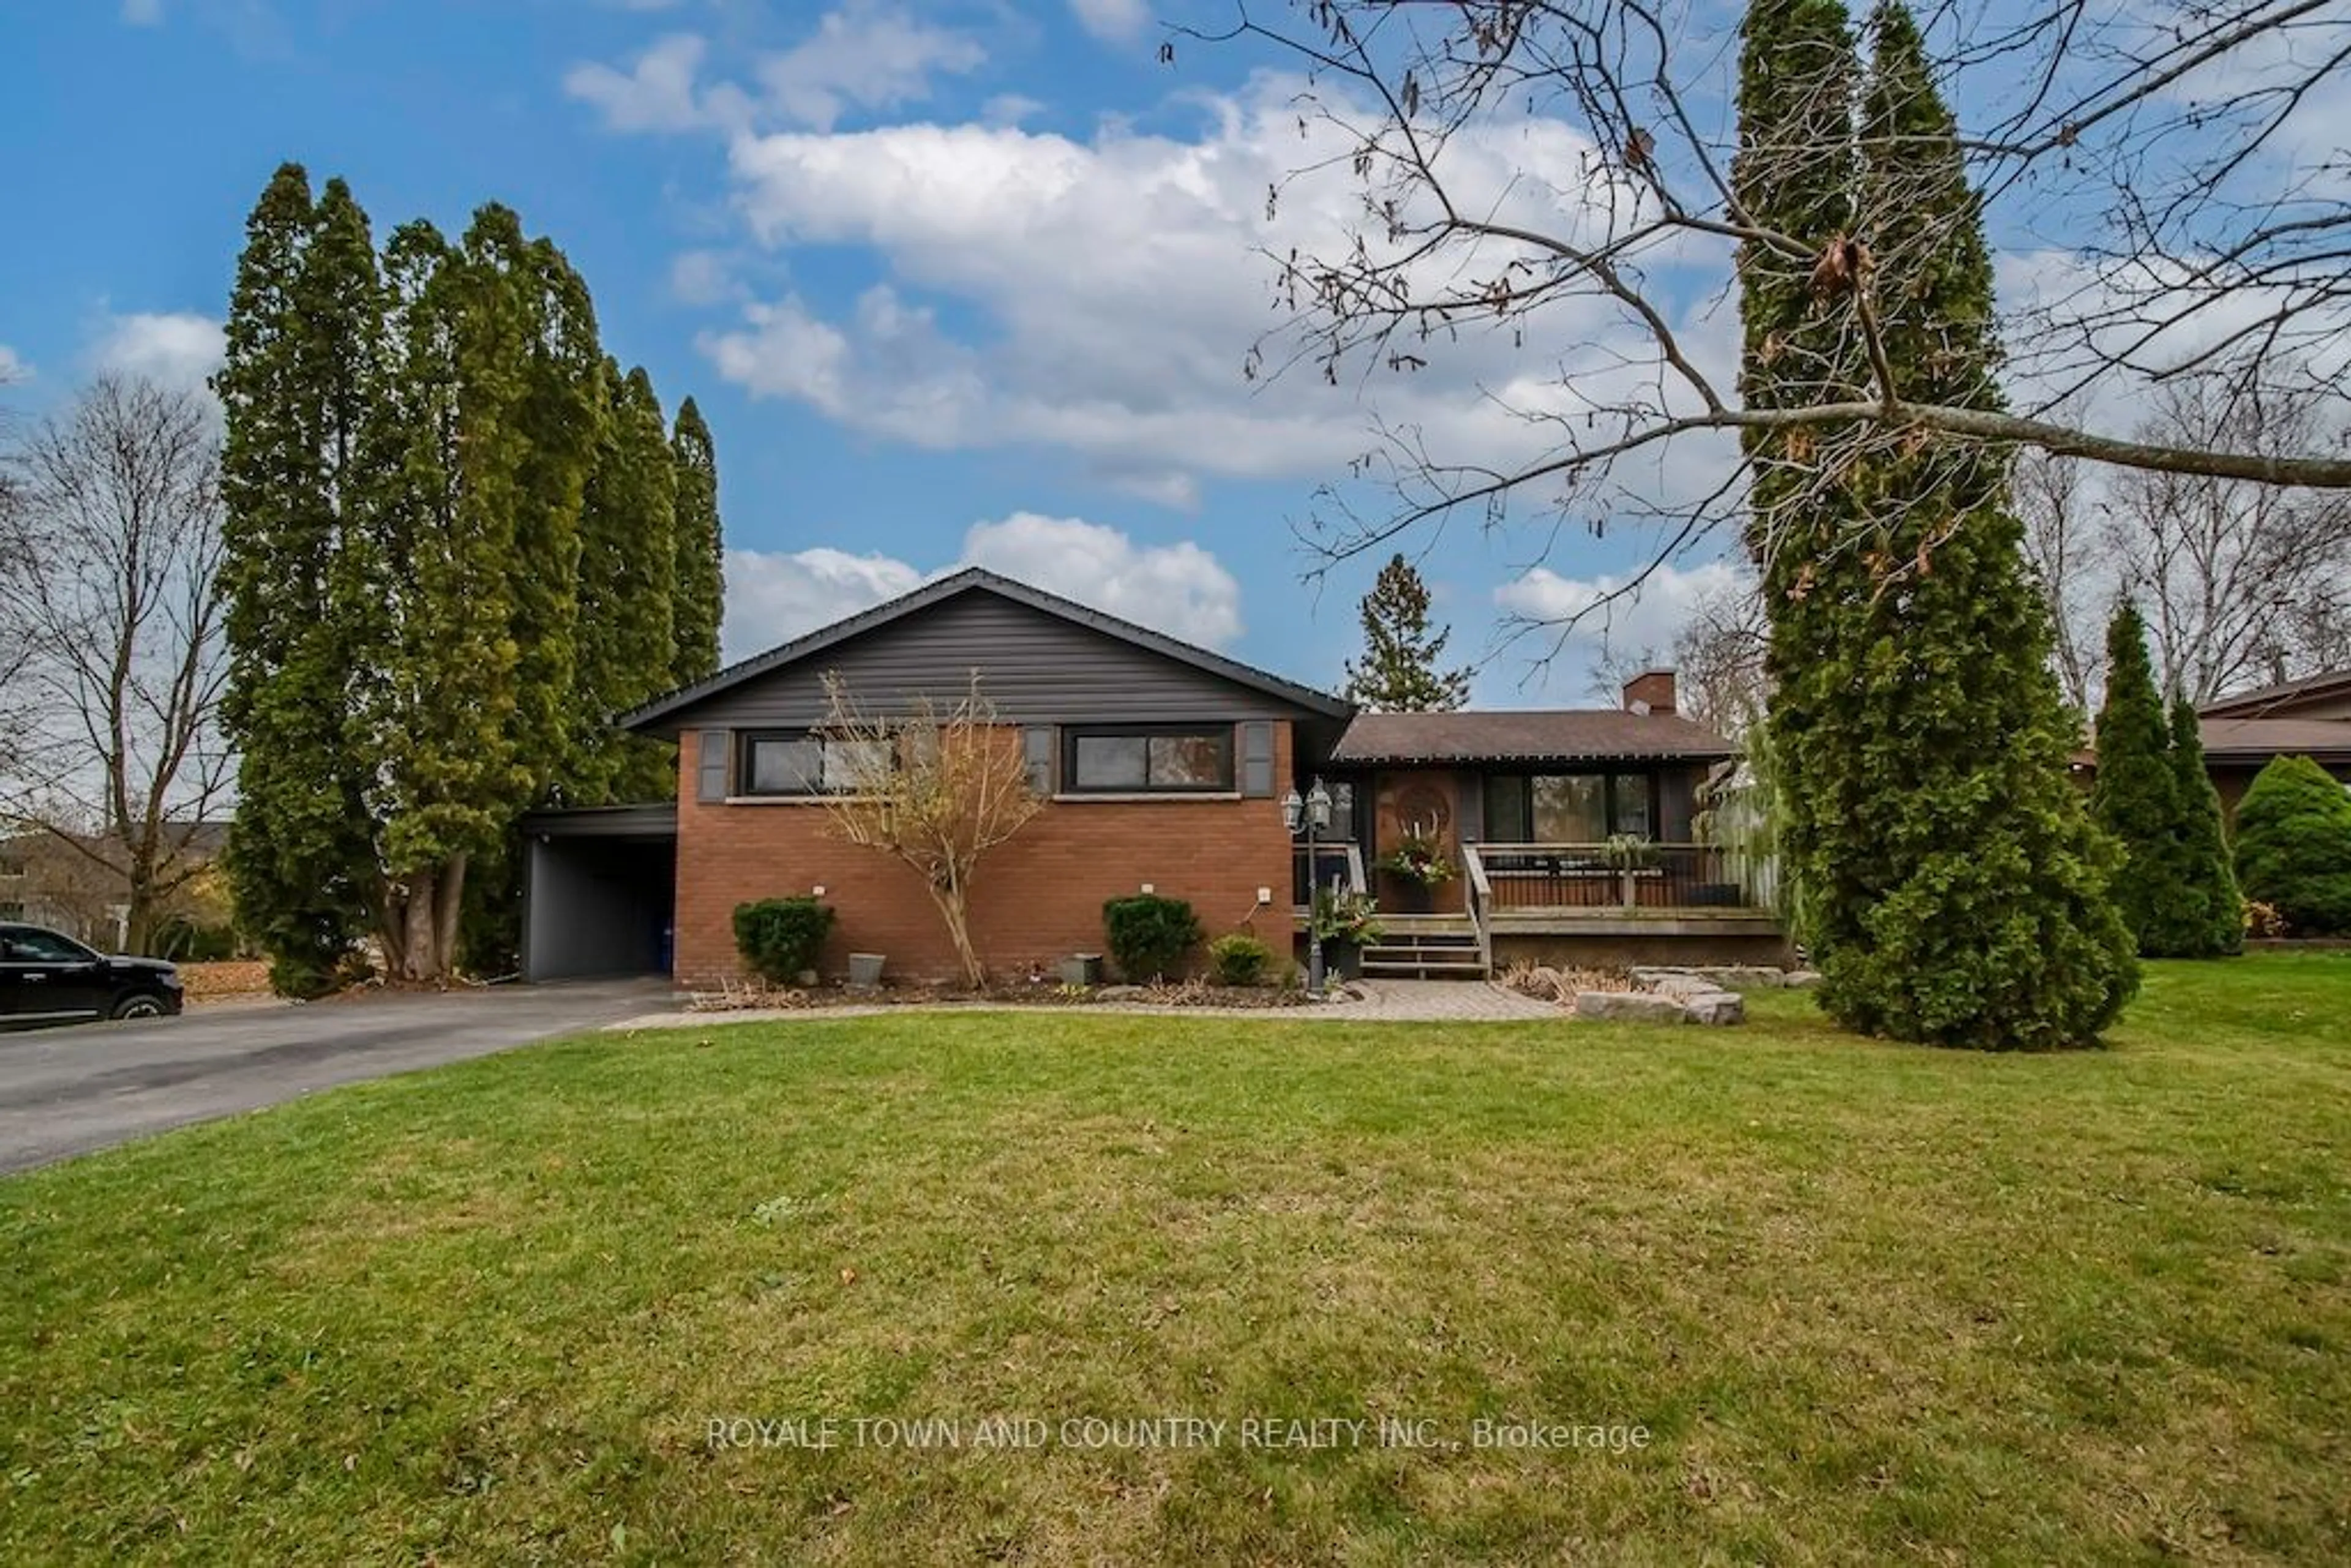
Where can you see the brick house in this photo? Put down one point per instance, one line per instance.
(1162, 766)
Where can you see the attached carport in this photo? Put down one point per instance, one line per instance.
(600, 892)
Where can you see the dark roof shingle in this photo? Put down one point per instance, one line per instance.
(1571, 735)
(2235, 739)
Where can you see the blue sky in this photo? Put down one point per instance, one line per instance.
(954, 280)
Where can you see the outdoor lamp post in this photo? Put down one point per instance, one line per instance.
(1314, 813)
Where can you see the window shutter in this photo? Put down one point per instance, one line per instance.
(710, 765)
(1037, 751)
(1256, 758)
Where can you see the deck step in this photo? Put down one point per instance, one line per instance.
(1425, 954)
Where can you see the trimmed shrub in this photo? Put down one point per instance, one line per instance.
(2135, 797)
(2213, 924)
(1148, 935)
(1238, 958)
(781, 937)
(2293, 846)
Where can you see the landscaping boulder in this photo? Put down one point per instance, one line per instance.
(1681, 985)
(1801, 979)
(1718, 1008)
(1719, 976)
(1629, 1007)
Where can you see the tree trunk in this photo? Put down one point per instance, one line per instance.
(951, 911)
(419, 926)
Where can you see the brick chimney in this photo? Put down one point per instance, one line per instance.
(1652, 691)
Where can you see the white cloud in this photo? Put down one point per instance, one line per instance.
(176, 349)
(773, 597)
(1114, 21)
(703, 278)
(1119, 284)
(1180, 589)
(1649, 617)
(655, 93)
(13, 367)
(869, 55)
(144, 13)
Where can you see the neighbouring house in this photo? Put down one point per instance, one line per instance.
(2243, 733)
(1164, 767)
(75, 884)
(2309, 717)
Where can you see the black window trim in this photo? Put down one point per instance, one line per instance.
(1073, 733)
(1607, 774)
(747, 740)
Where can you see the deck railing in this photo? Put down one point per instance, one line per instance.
(1340, 864)
(1606, 878)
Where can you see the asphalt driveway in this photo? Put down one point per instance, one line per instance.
(68, 1090)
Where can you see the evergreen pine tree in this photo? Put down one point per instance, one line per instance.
(698, 598)
(1398, 673)
(299, 374)
(1955, 891)
(2293, 846)
(2137, 797)
(2206, 878)
(628, 565)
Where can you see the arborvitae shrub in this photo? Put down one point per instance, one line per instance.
(1148, 935)
(1238, 959)
(2213, 921)
(2293, 846)
(2137, 796)
(781, 937)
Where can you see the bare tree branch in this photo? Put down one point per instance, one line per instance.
(1541, 193)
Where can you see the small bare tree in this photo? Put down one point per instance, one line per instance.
(115, 611)
(936, 789)
(2070, 548)
(2242, 584)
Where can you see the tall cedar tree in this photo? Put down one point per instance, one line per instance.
(453, 765)
(1398, 672)
(1795, 169)
(2293, 846)
(560, 413)
(408, 453)
(2136, 797)
(700, 595)
(2207, 878)
(1954, 889)
(628, 564)
(296, 385)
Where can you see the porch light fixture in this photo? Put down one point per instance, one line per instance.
(1312, 812)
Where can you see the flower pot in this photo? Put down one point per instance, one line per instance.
(1415, 896)
(865, 970)
(1342, 959)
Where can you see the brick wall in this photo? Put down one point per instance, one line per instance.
(1039, 896)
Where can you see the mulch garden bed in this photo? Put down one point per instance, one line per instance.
(1046, 992)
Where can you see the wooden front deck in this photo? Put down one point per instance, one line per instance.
(1640, 895)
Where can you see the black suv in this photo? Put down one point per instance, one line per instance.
(46, 978)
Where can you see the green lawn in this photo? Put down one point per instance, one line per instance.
(1863, 1299)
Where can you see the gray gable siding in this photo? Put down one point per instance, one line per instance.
(1034, 668)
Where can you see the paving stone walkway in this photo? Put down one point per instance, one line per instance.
(1380, 1001)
